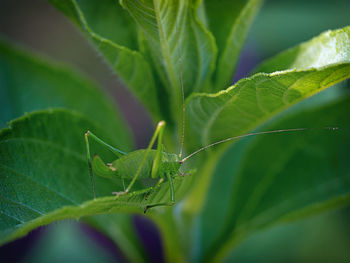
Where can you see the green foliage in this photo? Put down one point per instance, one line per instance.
(155, 47)
(319, 162)
(30, 83)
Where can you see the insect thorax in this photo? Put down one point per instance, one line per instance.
(170, 163)
(127, 165)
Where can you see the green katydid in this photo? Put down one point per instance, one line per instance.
(149, 163)
(146, 163)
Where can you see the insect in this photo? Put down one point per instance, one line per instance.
(150, 163)
(144, 163)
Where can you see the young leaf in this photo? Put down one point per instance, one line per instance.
(229, 21)
(115, 39)
(44, 175)
(30, 83)
(180, 46)
(273, 179)
(252, 101)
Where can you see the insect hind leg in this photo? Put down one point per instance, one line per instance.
(114, 150)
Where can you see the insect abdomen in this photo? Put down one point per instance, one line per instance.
(101, 169)
(127, 165)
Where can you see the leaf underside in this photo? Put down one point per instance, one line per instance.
(308, 69)
(254, 100)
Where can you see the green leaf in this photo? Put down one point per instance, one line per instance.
(229, 21)
(179, 44)
(278, 178)
(29, 83)
(44, 175)
(328, 48)
(252, 101)
(109, 27)
(248, 104)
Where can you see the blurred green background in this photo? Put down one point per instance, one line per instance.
(279, 25)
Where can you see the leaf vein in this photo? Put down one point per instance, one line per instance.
(37, 182)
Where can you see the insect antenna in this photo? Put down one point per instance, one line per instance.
(183, 100)
(252, 134)
(183, 111)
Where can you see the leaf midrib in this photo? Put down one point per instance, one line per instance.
(165, 48)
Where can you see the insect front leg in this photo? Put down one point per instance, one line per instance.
(116, 151)
(159, 131)
(172, 195)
